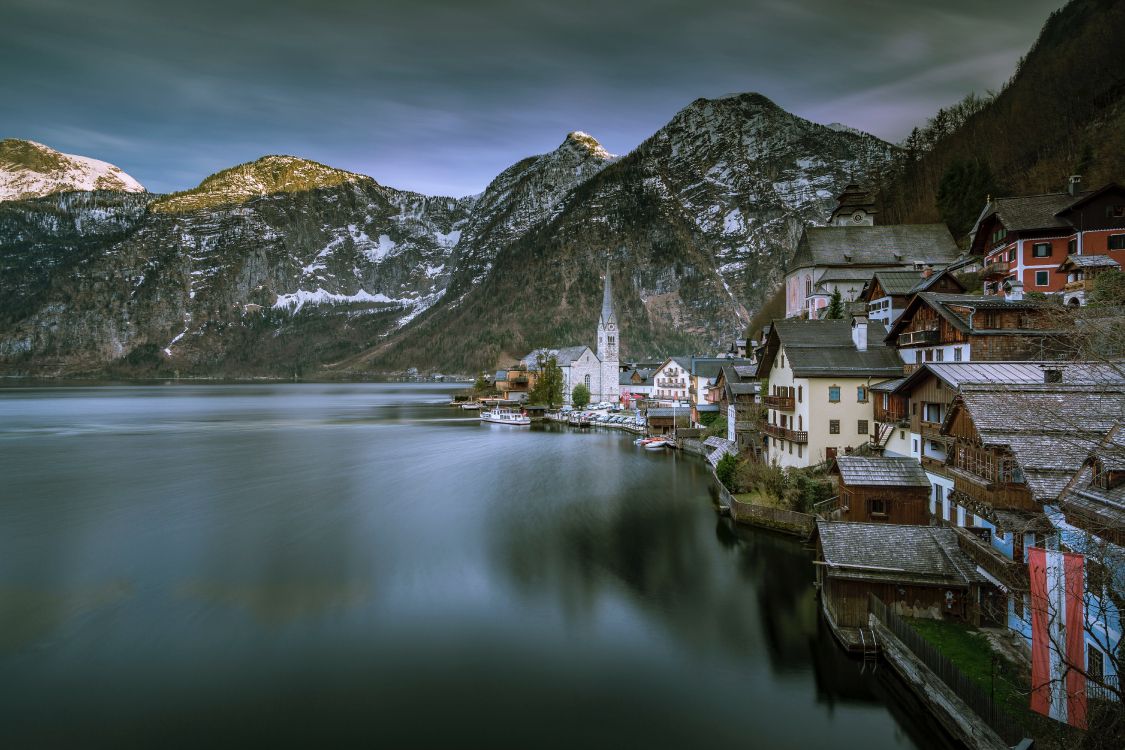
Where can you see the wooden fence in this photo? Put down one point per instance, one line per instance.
(788, 521)
(968, 691)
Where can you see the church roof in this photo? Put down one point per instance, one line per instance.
(888, 245)
(569, 354)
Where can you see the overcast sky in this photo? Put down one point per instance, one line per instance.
(439, 96)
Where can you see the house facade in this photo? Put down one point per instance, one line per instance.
(1025, 238)
(881, 489)
(819, 373)
(671, 383)
(888, 292)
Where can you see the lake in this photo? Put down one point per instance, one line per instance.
(189, 565)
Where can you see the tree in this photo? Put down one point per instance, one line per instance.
(548, 388)
(963, 189)
(580, 396)
(1109, 289)
(482, 386)
(726, 468)
(835, 309)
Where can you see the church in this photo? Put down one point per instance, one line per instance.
(598, 371)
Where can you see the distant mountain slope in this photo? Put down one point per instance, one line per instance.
(32, 170)
(697, 221)
(1062, 112)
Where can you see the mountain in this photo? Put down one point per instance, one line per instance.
(267, 267)
(284, 265)
(697, 222)
(1061, 113)
(32, 170)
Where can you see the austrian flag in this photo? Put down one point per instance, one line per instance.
(1058, 638)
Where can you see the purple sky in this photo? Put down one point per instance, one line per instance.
(441, 96)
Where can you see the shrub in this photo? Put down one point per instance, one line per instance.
(726, 471)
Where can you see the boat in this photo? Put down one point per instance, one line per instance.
(505, 416)
(656, 445)
(471, 406)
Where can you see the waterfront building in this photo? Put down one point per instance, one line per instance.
(820, 373)
(1024, 239)
(671, 383)
(737, 393)
(635, 385)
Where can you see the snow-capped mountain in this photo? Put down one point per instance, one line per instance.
(524, 195)
(283, 264)
(31, 170)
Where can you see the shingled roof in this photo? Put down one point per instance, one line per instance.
(926, 555)
(1031, 211)
(958, 309)
(956, 374)
(890, 471)
(886, 245)
(824, 348)
(1088, 261)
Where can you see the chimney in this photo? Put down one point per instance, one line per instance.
(927, 272)
(1074, 186)
(859, 333)
(1013, 290)
(1052, 373)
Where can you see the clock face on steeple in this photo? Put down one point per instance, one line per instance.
(857, 217)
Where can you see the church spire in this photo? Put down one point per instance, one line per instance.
(608, 314)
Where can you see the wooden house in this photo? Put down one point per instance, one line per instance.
(881, 489)
(937, 327)
(917, 571)
(1094, 499)
(1080, 272)
(1024, 238)
(888, 292)
(666, 420)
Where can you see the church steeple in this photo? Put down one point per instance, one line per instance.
(608, 315)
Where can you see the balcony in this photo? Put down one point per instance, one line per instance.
(785, 403)
(782, 433)
(929, 463)
(1082, 285)
(932, 431)
(924, 337)
(995, 270)
(1012, 574)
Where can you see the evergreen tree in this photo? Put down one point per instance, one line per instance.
(962, 192)
(835, 309)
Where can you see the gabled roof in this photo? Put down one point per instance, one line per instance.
(1049, 428)
(1025, 212)
(956, 374)
(824, 348)
(709, 367)
(626, 377)
(569, 354)
(898, 283)
(890, 471)
(1088, 261)
(893, 552)
(881, 245)
(946, 305)
(684, 363)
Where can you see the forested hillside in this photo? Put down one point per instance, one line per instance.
(1061, 113)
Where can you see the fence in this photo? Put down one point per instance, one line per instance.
(780, 519)
(968, 691)
(1108, 691)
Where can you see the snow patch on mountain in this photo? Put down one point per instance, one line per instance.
(32, 170)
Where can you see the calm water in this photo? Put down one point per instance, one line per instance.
(284, 564)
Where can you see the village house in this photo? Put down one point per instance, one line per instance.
(819, 374)
(671, 383)
(937, 327)
(880, 489)
(1080, 272)
(888, 292)
(845, 258)
(666, 420)
(516, 382)
(917, 571)
(635, 384)
(737, 394)
(1025, 238)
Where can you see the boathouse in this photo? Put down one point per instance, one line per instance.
(917, 571)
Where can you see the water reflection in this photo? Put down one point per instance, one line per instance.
(335, 563)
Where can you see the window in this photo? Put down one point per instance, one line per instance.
(941, 355)
(1012, 254)
(1116, 242)
(861, 394)
(790, 448)
(833, 427)
(783, 360)
(915, 445)
(1042, 278)
(876, 506)
(1041, 250)
(800, 422)
(611, 340)
(956, 354)
(1072, 246)
(800, 393)
(834, 393)
(918, 356)
(861, 427)
(808, 286)
(902, 434)
(800, 452)
(1115, 212)
(1095, 662)
(586, 380)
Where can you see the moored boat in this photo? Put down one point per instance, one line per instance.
(505, 416)
(470, 406)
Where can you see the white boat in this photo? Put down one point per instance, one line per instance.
(505, 416)
(470, 405)
(656, 445)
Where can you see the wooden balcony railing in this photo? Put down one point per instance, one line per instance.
(916, 338)
(933, 464)
(1012, 574)
(1082, 285)
(995, 270)
(785, 403)
(777, 431)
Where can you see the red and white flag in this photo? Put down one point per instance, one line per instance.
(1058, 636)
